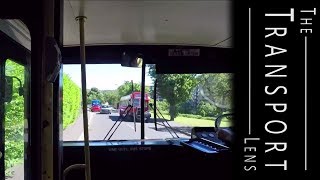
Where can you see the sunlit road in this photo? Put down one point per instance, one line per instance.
(100, 124)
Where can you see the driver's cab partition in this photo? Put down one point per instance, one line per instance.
(142, 159)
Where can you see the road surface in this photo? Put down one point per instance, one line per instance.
(100, 125)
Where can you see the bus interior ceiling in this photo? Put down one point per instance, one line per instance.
(142, 27)
(177, 36)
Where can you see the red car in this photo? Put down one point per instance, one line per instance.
(96, 108)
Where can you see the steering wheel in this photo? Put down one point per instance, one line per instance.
(225, 134)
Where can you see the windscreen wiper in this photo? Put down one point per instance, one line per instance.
(165, 120)
(120, 117)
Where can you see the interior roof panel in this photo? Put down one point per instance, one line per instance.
(203, 23)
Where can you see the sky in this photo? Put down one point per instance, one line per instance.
(106, 76)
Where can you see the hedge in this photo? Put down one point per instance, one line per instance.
(71, 101)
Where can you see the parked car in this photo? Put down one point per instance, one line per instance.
(105, 109)
(95, 108)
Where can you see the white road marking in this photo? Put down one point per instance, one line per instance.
(130, 126)
(133, 129)
(90, 114)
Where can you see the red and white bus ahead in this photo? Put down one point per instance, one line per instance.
(134, 99)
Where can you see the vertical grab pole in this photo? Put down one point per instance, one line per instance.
(155, 104)
(84, 97)
(142, 98)
(134, 113)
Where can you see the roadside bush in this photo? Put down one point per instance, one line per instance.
(209, 118)
(14, 114)
(206, 109)
(14, 119)
(191, 116)
(194, 116)
(188, 107)
(163, 107)
(71, 101)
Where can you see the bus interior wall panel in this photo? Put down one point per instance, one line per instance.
(164, 160)
(31, 14)
(58, 92)
(27, 165)
(13, 49)
(212, 59)
(37, 77)
(58, 22)
(57, 127)
(10, 10)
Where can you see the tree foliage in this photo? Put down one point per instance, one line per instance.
(217, 89)
(94, 93)
(71, 101)
(206, 109)
(14, 113)
(175, 88)
(14, 119)
(111, 97)
(126, 88)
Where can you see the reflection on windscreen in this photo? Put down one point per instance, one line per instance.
(183, 101)
(136, 102)
(193, 100)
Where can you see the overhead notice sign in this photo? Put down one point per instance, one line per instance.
(184, 52)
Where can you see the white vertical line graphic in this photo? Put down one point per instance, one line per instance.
(305, 103)
(249, 71)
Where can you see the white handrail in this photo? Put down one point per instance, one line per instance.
(84, 97)
(84, 106)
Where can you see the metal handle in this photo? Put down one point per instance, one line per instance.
(72, 167)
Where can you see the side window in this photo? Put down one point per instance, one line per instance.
(15, 50)
(15, 121)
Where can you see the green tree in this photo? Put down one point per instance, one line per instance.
(111, 97)
(217, 90)
(94, 93)
(126, 88)
(14, 119)
(206, 109)
(175, 88)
